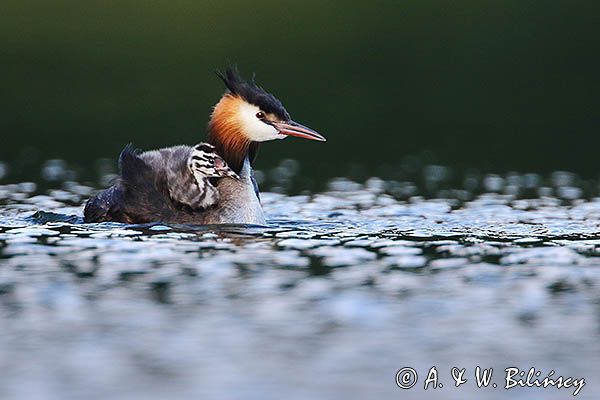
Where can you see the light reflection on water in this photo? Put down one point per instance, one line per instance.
(341, 289)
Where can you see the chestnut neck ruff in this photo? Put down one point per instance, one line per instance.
(225, 133)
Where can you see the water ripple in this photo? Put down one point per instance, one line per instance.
(368, 276)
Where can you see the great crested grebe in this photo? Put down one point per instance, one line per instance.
(210, 183)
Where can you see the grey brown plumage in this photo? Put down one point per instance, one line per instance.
(171, 184)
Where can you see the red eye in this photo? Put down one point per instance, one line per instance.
(260, 115)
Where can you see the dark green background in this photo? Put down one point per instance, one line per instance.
(494, 85)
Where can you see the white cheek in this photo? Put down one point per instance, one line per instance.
(254, 128)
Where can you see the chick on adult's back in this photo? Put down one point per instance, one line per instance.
(206, 184)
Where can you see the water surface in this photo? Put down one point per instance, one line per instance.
(344, 287)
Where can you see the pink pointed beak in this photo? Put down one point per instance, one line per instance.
(292, 128)
(223, 169)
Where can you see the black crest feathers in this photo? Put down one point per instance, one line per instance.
(252, 93)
